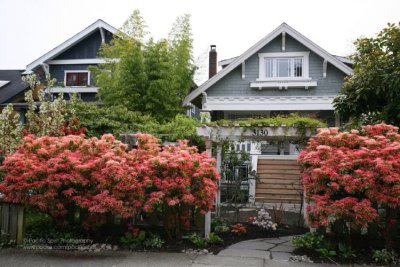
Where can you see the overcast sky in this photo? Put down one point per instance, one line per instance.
(30, 28)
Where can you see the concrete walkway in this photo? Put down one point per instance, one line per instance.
(272, 252)
(32, 258)
(279, 248)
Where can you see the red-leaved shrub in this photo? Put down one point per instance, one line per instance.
(348, 175)
(238, 229)
(98, 176)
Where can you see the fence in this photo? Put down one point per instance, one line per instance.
(12, 222)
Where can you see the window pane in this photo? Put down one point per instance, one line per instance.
(83, 79)
(283, 67)
(298, 67)
(77, 79)
(71, 79)
(268, 67)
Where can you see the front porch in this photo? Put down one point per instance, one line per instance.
(276, 176)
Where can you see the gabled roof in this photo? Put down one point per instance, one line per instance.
(70, 42)
(12, 86)
(225, 62)
(345, 60)
(252, 50)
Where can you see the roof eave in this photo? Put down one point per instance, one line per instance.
(232, 65)
(252, 50)
(70, 42)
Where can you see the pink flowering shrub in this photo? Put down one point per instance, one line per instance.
(175, 179)
(55, 174)
(347, 175)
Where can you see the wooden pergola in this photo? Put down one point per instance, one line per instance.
(216, 135)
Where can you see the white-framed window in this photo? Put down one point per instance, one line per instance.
(76, 78)
(283, 66)
(242, 146)
(191, 110)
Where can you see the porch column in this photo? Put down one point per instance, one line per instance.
(207, 217)
(219, 162)
(252, 182)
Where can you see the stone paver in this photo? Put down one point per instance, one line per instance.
(283, 248)
(281, 256)
(267, 248)
(246, 253)
(213, 260)
(274, 240)
(256, 245)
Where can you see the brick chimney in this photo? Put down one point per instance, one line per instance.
(212, 61)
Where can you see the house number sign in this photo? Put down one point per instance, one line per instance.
(260, 132)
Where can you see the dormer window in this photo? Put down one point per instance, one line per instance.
(77, 78)
(283, 66)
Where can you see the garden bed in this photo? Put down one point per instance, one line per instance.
(362, 257)
(43, 235)
(364, 249)
(229, 238)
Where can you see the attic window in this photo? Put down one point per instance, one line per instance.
(283, 66)
(77, 78)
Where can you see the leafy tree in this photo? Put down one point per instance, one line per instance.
(181, 127)
(10, 131)
(50, 116)
(146, 75)
(372, 94)
(99, 119)
(46, 117)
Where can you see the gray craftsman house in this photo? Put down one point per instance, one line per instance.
(285, 72)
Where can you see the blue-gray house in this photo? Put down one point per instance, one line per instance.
(285, 72)
(69, 61)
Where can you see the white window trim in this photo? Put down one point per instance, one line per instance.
(74, 89)
(76, 71)
(305, 70)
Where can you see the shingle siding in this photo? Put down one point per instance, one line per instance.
(87, 48)
(233, 85)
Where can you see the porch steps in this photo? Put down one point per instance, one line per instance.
(278, 181)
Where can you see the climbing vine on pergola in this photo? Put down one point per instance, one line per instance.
(293, 129)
